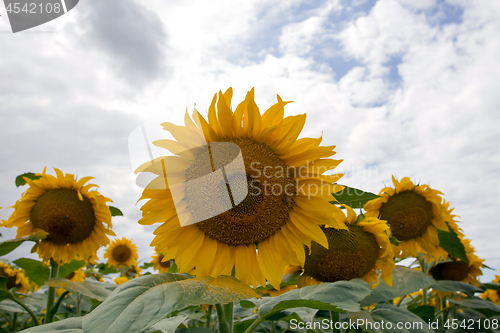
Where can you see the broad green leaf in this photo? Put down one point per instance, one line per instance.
(452, 244)
(146, 265)
(476, 303)
(12, 244)
(4, 292)
(30, 175)
(353, 197)
(144, 301)
(454, 286)
(106, 269)
(36, 270)
(404, 282)
(66, 269)
(335, 296)
(199, 330)
(70, 325)
(426, 312)
(115, 211)
(168, 325)
(87, 288)
(492, 286)
(387, 318)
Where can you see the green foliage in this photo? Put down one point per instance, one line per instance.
(353, 197)
(115, 211)
(70, 325)
(455, 286)
(97, 290)
(426, 312)
(144, 301)
(106, 269)
(36, 270)
(404, 282)
(30, 175)
(452, 244)
(12, 244)
(66, 269)
(492, 286)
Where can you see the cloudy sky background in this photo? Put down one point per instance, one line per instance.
(402, 88)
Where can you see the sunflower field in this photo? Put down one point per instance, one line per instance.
(255, 234)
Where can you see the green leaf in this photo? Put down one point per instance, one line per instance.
(70, 325)
(492, 286)
(173, 268)
(147, 265)
(476, 303)
(426, 312)
(455, 286)
(394, 241)
(3, 283)
(4, 292)
(144, 301)
(30, 175)
(12, 244)
(353, 197)
(452, 244)
(168, 325)
(386, 317)
(36, 271)
(115, 211)
(91, 289)
(106, 269)
(336, 296)
(404, 282)
(66, 269)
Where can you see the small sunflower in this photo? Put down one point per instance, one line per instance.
(358, 252)
(121, 252)
(256, 220)
(120, 280)
(160, 264)
(413, 212)
(73, 216)
(493, 295)
(15, 278)
(457, 270)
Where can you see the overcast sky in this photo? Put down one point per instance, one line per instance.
(405, 88)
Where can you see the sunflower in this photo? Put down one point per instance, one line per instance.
(492, 295)
(457, 270)
(73, 216)
(120, 280)
(358, 252)
(413, 213)
(241, 191)
(121, 252)
(160, 264)
(15, 278)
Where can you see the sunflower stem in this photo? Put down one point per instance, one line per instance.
(335, 316)
(225, 317)
(209, 316)
(54, 270)
(424, 297)
(32, 314)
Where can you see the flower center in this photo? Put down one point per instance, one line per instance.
(262, 211)
(64, 216)
(351, 254)
(408, 213)
(165, 264)
(121, 253)
(453, 270)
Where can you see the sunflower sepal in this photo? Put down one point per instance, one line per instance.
(353, 197)
(21, 179)
(115, 211)
(452, 244)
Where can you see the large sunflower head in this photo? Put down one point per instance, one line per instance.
(358, 252)
(76, 218)
(160, 264)
(413, 212)
(241, 190)
(15, 278)
(121, 252)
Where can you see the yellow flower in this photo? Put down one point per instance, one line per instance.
(209, 219)
(120, 280)
(413, 213)
(15, 278)
(121, 252)
(358, 252)
(492, 295)
(160, 264)
(73, 216)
